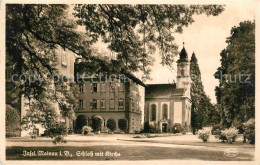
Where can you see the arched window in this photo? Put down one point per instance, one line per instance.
(153, 112)
(165, 111)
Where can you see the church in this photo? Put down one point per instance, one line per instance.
(167, 104)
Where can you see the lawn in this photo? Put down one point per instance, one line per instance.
(126, 152)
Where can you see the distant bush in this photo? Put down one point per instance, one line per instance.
(122, 124)
(216, 129)
(96, 123)
(178, 128)
(58, 131)
(249, 132)
(12, 122)
(86, 129)
(149, 128)
(111, 124)
(204, 134)
(228, 135)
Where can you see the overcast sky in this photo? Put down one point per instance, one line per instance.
(206, 37)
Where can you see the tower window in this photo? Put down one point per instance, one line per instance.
(182, 72)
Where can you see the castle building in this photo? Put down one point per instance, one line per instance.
(122, 99)
(167, 104)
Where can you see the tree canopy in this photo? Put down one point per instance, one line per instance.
(236, 91)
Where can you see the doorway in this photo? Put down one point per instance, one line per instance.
(164, 127)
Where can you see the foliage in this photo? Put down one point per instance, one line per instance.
(86, 129)
(134, 32)
(229, 135)
(122, 124)
(35, 31)
(249, 133)
(96, 123)
(150, 128)
(80, 122)
(202, 111)
(204, 134)
(111, 124)
(178, 128)
(58, 131)
(12, 122)
(236, 91)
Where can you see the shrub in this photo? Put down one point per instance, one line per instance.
(12, 122)
(96, 123)
(178, 128)
(111, 124)
(58, 131)
(216, 129)
(204, 134)
(86, 129)
(229, 135)
(122, 124)
(249, 128)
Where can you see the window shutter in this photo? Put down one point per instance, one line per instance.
(98, 87)
(91, 87)
(91, 104)
(97, 104)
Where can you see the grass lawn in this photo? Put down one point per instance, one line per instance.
(126, 153)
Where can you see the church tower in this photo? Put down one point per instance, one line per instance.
(183, 71)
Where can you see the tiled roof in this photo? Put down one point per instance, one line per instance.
(162, 90)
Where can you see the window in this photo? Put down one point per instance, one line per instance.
(137, 106)
(182, 72)
(103, 104)
(94, 87)
(112, 103)
(165, 111)
(132, 104)
(121, 103)
(64, 59)
(81, 87)
(153, 113)
(103, 87)
(81, 104)
(94, 104)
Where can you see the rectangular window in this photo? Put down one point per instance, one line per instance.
(112, 103)
(94, 104)
(137, 106)
(81, 87)
(121, 103)
(81, 104)
(132, 104)
(103, 87)
(94, 86)
(64, 59)
(103, 104)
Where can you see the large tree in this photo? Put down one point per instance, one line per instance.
(202, 111)
(132, 33)
(236, 75)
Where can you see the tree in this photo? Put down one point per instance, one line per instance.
(12, 122)
(122, 124)
(202, 111)
(236, 75)
(111, 124)
(132, 32)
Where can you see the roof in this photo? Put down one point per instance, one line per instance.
(183, 55)
(134, 78)
(159, 90)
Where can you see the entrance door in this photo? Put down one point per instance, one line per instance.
(164, 127)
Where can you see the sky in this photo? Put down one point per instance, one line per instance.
(206, 37)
